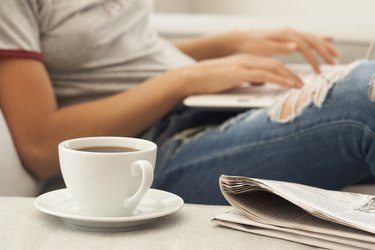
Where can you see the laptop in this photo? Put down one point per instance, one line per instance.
(254, 96)
(261, 96)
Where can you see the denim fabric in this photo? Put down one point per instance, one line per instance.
(328, 147)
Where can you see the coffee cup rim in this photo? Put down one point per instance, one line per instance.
(63, 145)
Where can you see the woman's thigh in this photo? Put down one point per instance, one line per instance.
(325, 142)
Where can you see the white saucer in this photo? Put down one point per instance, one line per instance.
(155, 204)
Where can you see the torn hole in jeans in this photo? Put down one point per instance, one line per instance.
(192, 132)
(295, 101)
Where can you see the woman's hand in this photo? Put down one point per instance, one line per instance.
(217, 75)
(284, 41)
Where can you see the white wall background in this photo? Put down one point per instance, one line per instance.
(281, 8)
(354, 14)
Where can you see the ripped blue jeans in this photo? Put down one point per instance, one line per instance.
(326, 139)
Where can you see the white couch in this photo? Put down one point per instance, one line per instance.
(14, 179)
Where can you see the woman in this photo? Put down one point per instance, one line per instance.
(93, 68)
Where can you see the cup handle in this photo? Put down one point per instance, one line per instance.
(138, 167)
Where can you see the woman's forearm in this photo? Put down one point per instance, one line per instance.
(127, 113)
(37, 125)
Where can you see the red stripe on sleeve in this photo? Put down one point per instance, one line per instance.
(21, 54)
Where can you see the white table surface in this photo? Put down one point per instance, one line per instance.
(23, 227)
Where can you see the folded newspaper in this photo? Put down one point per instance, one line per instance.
(304, 214)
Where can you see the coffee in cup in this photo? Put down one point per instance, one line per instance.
(108, 149)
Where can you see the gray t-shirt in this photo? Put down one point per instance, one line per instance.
(91, 48)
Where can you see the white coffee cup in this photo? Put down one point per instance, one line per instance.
(107, 183)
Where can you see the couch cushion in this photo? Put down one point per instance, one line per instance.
(14, 179)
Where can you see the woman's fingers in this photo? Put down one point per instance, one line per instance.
(321, 47)
(333, 50)
(276, 47)
(306, 42)
(275, 67)
(304, 48)
(283, 70)
(261, 75)
(327, 38)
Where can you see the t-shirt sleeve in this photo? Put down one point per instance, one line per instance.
(19, 31)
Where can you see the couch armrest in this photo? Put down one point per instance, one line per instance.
(14, 179)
